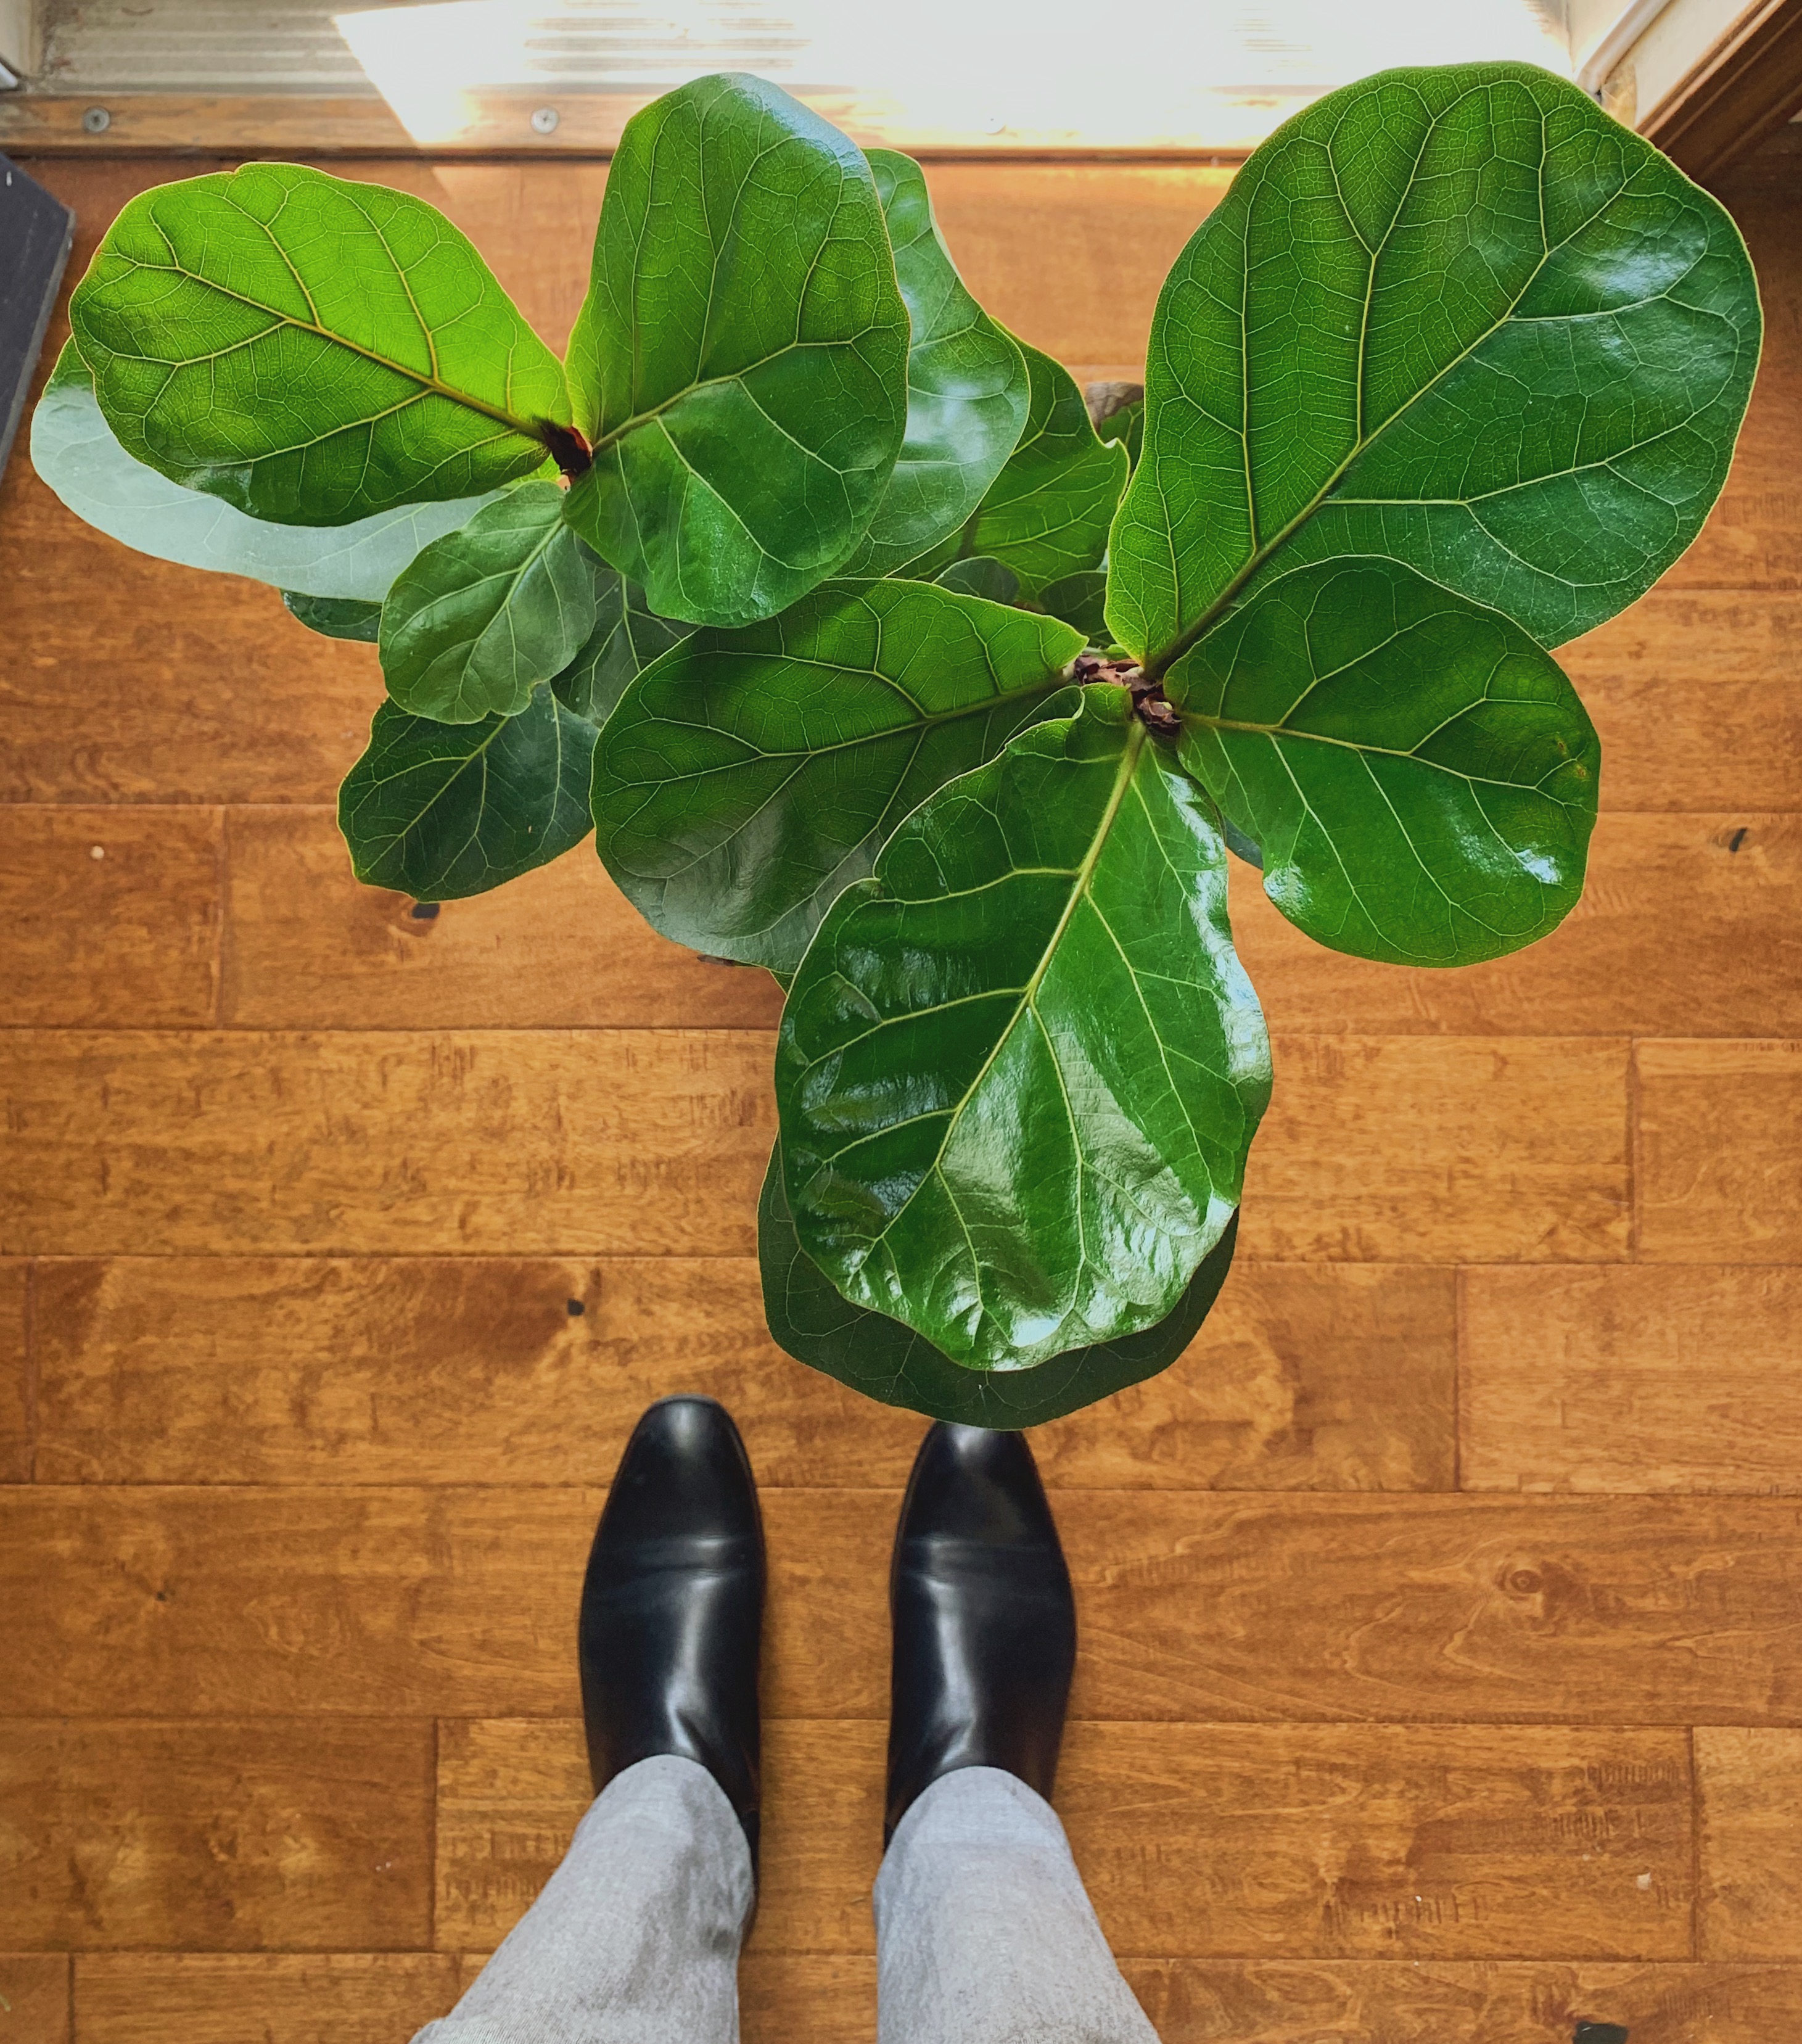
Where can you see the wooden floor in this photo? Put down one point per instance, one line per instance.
(1442, 1674)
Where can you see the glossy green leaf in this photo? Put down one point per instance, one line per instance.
(1079, 599)
(484, 614)
(750, 775)
(1046, 514)
(311, 350)
(75, 451)
(740, 365)
(812, 1321)
(1456, 317)
(439, 811)
(992, 580)
(1420, 774)
(966, 385)
(336, 617)
(628, 636)
(1020, 1066)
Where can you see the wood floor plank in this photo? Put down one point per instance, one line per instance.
(1749, 1783)
(275, 1997)
(163, 684)
(504, 1142)
(112, 915)
(311, 948)
(359, 1370)
(1718, 1163)
(1696, 695)
(1268, 1606)
(1728, 880)
(1652, 1611)
(17, 1390)
(34, 1997)
(1195, 1840)
(1109, 240)
(1441, 1151)
(294, 1834)
(616, 1141)
(1635, 1377)
(1199, 2001)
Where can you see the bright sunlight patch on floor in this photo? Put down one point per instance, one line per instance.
(1127, 74)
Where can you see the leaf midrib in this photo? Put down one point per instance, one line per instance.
(527, 428)
(1158, 664)
(1026, 996)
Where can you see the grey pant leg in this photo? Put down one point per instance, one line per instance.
(635, 1939)
(984, 1932)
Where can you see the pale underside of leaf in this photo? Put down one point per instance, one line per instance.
(75, 451)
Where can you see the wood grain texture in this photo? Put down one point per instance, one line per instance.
(1753, 539)
(1749, 1784)
(128, 939)
(1719, 1161)
(311, 948)
(360, 1370)
(1696, 695)
(1641, 1377)
(209, 1835)
(34, 1997)
(1194, 1840)
(17, 1385)
(616, 1141)
(1727, 882)
(290, 1997)
(1268, 1607)
(1436, 2002)
(1453, 1150)
(514, 1141)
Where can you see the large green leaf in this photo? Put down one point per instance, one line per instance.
(1046, 514)
(740, 362)
(75, 451)
(336, 617)
(628, 636)
(483, 615)
(311, 350)
(439, 811)
(1020, 1066)
(1457, 317)
(966, 385)
(749, 776)
(1418, 775)
(810, 1318)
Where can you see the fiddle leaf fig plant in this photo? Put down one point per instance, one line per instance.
(875, 656)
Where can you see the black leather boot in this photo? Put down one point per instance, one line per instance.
(672, 1606)
(985, 1624)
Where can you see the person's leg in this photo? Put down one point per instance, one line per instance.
(984, 1933)
(635, 1939)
